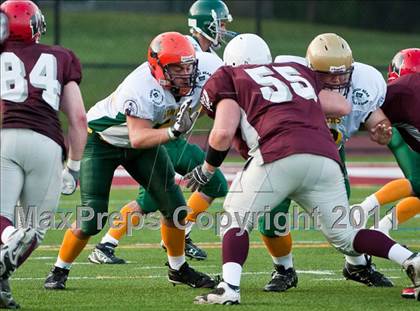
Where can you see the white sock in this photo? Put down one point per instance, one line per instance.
(385, 224)
(62, 264)
(7, 232)
(175, 262)
(232, 273)
(188, 227)
(286, 261)
(109, 239)
(399, 254)
(368, 205)
(356, 261)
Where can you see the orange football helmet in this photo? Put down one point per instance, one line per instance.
(172, 61)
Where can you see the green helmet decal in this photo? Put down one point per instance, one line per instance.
(206, 17)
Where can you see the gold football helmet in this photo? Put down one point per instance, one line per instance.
(331, 58)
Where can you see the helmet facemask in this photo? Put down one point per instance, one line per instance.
(218, 32)
(181, 78)
(38, 25)
(337, 80)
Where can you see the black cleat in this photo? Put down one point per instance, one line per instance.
(6, 299)
(192, 251)
(187, 275)
(57, 278)
(282, 279)
(104, 253)
(366, 274)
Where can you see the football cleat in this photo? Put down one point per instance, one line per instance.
(408, 293)
(16, 246)
(282, 279)
(366, 274)
(6, 299)
(412, 268)
(57, 278)
(192, 251)
(104, 253)
(187, 275)
(223, 294)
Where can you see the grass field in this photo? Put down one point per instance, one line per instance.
(142, 284)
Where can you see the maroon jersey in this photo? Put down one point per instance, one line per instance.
(402, 107)
(280, 112)
(32, 80)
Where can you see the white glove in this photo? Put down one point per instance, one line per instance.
(70, 178)
(184, 121)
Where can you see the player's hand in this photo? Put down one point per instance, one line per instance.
(381, 133)
(184, 121)
(198, 178)
(69, 181)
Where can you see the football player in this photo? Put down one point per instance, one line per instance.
(207, 20)
(402, 107)
(126, 129)
(37, 81)
(331, 58)
(275, 109)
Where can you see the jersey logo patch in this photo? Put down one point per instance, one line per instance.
(360, 97)
(131, 108)
(156, 97)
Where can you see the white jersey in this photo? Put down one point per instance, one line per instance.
(198, 48)
(140, 95)
(366, 94)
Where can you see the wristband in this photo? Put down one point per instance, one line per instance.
(73, 165)
(216, 157)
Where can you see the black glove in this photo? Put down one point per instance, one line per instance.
(198, 178)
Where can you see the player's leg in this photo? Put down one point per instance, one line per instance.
(97, 169)
(11, 184)
(185, 157)
(153, 169)
(253, 191)
(326, 191)
(274, 229)
(104, 252)
(407, 160)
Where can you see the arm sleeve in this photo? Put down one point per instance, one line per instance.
(73, 69)
(219, 86)
(133, 104)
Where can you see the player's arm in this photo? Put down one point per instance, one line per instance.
(142, 134)
(334, 104)
(226, 122)
(72, 106)
(224, 128)
(379, 127)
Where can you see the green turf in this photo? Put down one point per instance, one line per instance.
(142, 283)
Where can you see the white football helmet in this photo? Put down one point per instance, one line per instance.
(245, 49)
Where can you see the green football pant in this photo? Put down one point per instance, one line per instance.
(407, 159)
(274, 221)
(185, 157)
(149, 167)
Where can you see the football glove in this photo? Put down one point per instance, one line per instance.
(184, 121)
(69, 181)
(198, 178)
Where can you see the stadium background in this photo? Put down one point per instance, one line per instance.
(111, 39)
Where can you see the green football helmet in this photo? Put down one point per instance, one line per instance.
(207, 18)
